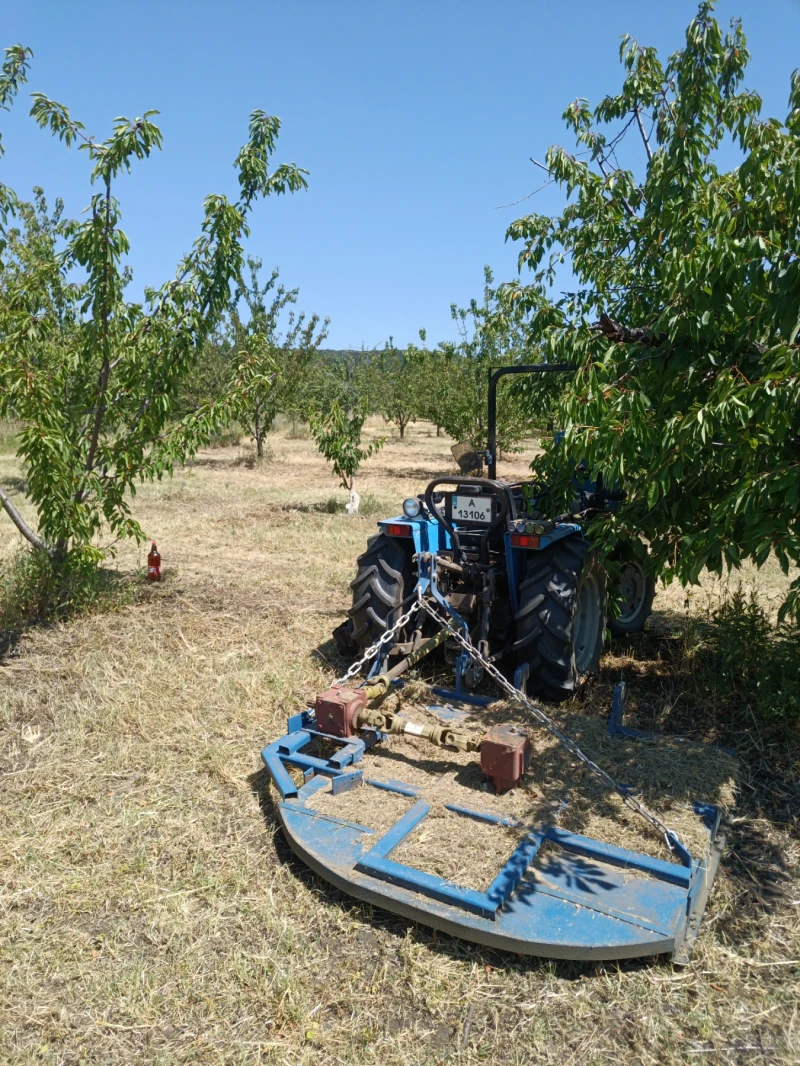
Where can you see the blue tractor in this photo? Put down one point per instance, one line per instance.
(525, 587)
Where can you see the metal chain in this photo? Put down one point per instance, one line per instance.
(630, 801)
(373, 650)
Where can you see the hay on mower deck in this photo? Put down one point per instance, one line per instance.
(561, 866)
(668, 774)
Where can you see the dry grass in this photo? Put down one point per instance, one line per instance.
(149, 909)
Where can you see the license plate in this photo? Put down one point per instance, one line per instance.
(472, 509)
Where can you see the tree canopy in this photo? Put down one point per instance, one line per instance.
(685, 310)
(95, 378)
(270, 360)
(457, 374)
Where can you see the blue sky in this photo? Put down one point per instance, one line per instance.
(415, 119)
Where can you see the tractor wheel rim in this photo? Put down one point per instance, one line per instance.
(587, 626)
(632, 591)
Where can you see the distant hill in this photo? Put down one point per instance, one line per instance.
(346, 354)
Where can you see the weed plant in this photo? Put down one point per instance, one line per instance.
(371, 506)
(756, 660)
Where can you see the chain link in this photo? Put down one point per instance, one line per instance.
(373, 649)
(513, 693)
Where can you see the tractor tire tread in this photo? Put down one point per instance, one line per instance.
(548, 598)
(383, 579)
(534, 634)
(534, 603)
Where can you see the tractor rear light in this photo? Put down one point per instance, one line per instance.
(395, 529)
(524, 540)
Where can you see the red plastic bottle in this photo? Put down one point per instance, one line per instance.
(154, 564)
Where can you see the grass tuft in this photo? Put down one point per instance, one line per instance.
(758, 661)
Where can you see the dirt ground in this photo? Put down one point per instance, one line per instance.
(150, 911)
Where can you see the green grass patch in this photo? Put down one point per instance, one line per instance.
(35, 590)
(756, 661)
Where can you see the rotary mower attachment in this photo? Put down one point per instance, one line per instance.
(558, 894)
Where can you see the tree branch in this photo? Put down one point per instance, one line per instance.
(637, 362)
(601, 163)
(22, 525)
(615, 331)
(647, 147)
(105, 370)
(527, 196)
(542, 166)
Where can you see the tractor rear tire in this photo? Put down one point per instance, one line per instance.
(383, 581)
(562, 617)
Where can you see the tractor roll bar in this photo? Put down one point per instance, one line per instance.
(494, 377)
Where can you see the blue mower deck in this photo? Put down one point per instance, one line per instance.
(558, 894)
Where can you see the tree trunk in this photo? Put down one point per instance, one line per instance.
(352, 506)
(258, 434)
(438, 430)
(402, 427)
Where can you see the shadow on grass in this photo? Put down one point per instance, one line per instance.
(330, 506)
(221, 461)
(410, 473)
(16, 484)
(328, 654)
(33, 593)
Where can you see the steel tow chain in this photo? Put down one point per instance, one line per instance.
(373, 649)
(543, 719)
(630, 801)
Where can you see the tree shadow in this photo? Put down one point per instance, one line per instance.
(16, 484)
(228, 462)
(410, 473)
(33, 598)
